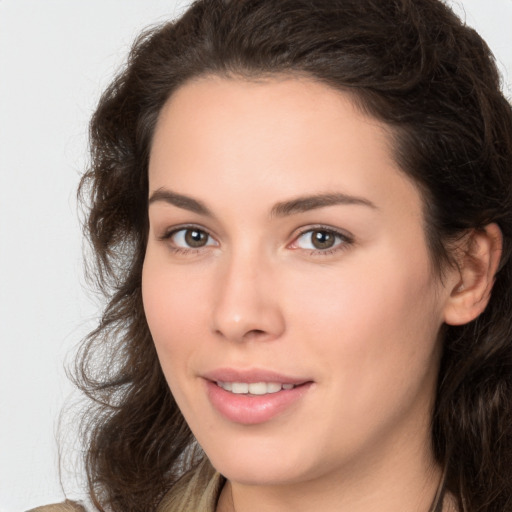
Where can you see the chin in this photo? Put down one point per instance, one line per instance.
(260, 462)
(259, 472)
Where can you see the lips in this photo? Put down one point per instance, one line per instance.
(252, 376)
(253, 396)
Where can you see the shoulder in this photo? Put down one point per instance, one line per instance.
(197, 491)
(67, 506)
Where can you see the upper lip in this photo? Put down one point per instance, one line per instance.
(251, 375)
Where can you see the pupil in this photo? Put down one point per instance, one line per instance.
(323, 239)
(195, 238)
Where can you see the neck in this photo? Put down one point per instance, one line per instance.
(310, 497)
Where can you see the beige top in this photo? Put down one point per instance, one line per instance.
(197, 491)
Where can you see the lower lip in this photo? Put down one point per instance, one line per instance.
(253, 409)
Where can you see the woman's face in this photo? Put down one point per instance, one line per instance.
(287, 250)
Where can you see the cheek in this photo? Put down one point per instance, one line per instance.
(175, 316)
(174, 310)
(374, 325)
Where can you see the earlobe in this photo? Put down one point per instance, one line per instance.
(477, 267)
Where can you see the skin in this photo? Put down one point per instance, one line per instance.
(360, 319)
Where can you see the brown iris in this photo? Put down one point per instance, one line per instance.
(196, 238)
(322, 239)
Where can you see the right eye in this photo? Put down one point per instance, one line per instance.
(190, 238)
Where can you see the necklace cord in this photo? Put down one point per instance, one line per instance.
(437, 504)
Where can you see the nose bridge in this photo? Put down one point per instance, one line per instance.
(245, 306)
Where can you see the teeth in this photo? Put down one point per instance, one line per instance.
(259, 388)
(273, 387)
(239, 388)
(254, 388)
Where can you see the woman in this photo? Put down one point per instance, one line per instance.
(301, 214)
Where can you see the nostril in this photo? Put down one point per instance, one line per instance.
(254, 333)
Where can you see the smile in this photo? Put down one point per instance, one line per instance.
(254, 388)
(255, 396)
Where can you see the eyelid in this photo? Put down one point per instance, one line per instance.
(172, 231)
(347, 239)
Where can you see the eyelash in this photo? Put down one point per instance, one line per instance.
(184, 250)
(344, 240)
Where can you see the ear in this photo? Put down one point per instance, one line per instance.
(474, 278)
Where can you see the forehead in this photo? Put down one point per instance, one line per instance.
(211, 109)
(273, 137)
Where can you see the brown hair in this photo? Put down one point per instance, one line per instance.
(410, 63)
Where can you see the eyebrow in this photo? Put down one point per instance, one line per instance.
(282, 209)
(306, 203)
(179, 200)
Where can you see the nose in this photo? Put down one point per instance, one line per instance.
(246, 304)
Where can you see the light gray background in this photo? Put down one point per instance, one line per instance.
(56, 56)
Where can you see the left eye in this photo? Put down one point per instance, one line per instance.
(319, 239)
(191, 238)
